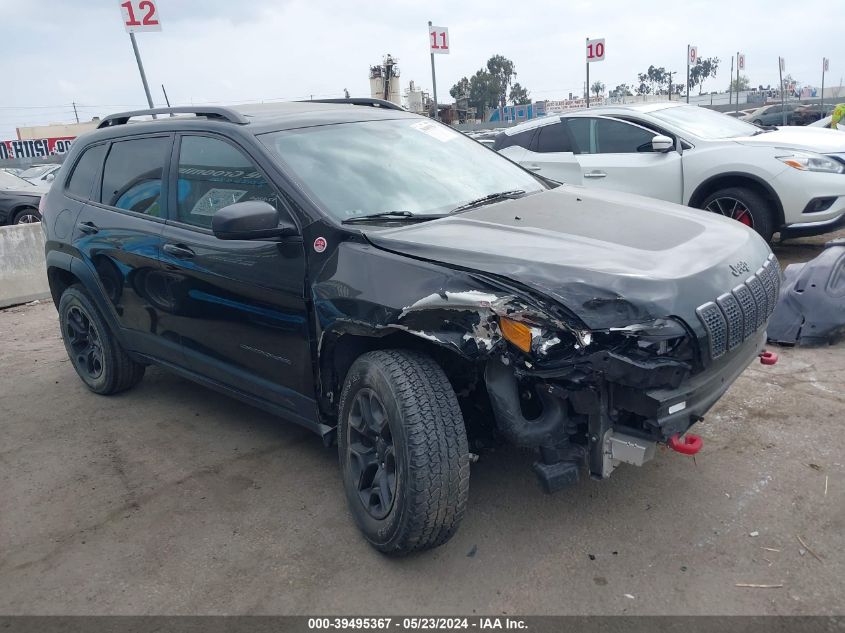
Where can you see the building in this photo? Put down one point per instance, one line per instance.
(384, 81)
(417, 100)
(56, 130)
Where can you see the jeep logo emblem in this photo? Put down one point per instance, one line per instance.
(739, 268)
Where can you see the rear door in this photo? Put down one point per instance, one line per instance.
(618, 155)
(118, 237)
(238, 306)
(551, 154)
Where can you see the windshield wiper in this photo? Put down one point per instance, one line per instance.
(489, 199)
(402, 216)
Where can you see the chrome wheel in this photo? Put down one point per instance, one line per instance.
(371, 457)
(27, 217)
(732, 208)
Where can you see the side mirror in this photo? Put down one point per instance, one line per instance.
(251, 220)
(50, 177)
(662, 143)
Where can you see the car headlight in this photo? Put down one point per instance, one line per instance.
(807, 161)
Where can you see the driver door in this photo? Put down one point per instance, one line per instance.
(618, 155)
(238, 306)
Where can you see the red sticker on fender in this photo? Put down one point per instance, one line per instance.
(320, 244)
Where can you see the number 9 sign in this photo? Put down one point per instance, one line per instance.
(140, 15)
(595, 50)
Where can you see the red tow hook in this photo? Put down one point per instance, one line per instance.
(689, 444)
(768, 358)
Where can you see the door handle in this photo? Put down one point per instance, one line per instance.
(89, 228)
(532, 167)
(595, 174)
(178, 250)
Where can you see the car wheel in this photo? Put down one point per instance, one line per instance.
(403, 451)
(26, 216)
(745, 206)
(102, 364)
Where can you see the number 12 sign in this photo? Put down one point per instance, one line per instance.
(140, 15)
(438, 40)
(595, 50)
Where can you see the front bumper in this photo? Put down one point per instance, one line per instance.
(797, 188)
(809, 229)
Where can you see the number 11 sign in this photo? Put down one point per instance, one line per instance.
(438, 40)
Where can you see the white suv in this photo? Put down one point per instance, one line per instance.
(789, 180)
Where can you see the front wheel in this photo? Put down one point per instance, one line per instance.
(26, 216)
(745, 206)
(403, 451)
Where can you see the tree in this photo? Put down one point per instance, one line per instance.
(622, 90)
(503, 71)
(488, 87)
(654, 80)
(740, 85)
(519, 95)
(702, 69)
(597, 88)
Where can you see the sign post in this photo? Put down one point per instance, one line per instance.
(825, 68)
(731, 83)
(740, 65)
(140, 15)
(438, 44)
(692, 58)
(781, 68)
(595, 53)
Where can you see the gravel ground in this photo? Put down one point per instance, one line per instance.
(173, 499)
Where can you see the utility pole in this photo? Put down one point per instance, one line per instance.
(76, 114)
(730, 84)
(166, 100)
(141, 70)
(736, 111)
(824, 70)
(781, 64)
(587, 85)
(433, 82)
(688, 48)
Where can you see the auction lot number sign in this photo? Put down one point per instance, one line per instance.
(140, 15)
(595, 50)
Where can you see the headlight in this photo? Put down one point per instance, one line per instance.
(661, 337)
(807, 161)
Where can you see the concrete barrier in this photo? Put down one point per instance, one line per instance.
(23, 275)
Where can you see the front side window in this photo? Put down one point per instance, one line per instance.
(411, 165)
(214, 174)
(87, 171)
(608, 136)
(132, 175)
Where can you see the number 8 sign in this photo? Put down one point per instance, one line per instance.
(140, 15)
(595, 50)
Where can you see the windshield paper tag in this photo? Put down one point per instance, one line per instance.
(441, 133)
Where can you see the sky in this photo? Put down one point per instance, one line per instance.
(56, 52)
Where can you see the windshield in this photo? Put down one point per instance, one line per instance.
(36, 171)
(10, 181)
(398, 165)
(704, 123)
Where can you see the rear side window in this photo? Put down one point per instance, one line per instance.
(132, 175)
(553, 138)
(522, 139)
(214, 174)
(86, 172)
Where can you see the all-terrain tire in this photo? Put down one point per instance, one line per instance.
(426, 430)
(113, 370)
(759, 210)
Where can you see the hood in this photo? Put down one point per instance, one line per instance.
(813, 139)
(611, 258)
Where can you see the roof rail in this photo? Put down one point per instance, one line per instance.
(381, 103)
(210, 112)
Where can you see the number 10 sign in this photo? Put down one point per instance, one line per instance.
(438, 40)
(595, 50)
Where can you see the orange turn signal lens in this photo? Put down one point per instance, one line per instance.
(517, 333)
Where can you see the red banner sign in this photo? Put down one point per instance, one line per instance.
(36, 147)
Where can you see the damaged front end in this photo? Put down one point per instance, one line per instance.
(527, 365)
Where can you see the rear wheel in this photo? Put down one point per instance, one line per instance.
(745, 206)
(26, 216)
(403, 451)
(99, 360)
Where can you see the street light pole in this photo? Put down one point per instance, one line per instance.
(433, 81)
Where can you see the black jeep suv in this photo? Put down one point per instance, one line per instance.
(400, 289)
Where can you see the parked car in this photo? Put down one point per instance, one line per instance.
(788, 180)
(40, 174)
(825, 123)
(398, 289)
(11, 170)
(19, 200)
(773, 114)
(810, 113)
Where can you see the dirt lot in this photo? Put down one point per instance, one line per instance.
(174, 499)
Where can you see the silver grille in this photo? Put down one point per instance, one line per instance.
(736, 315)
